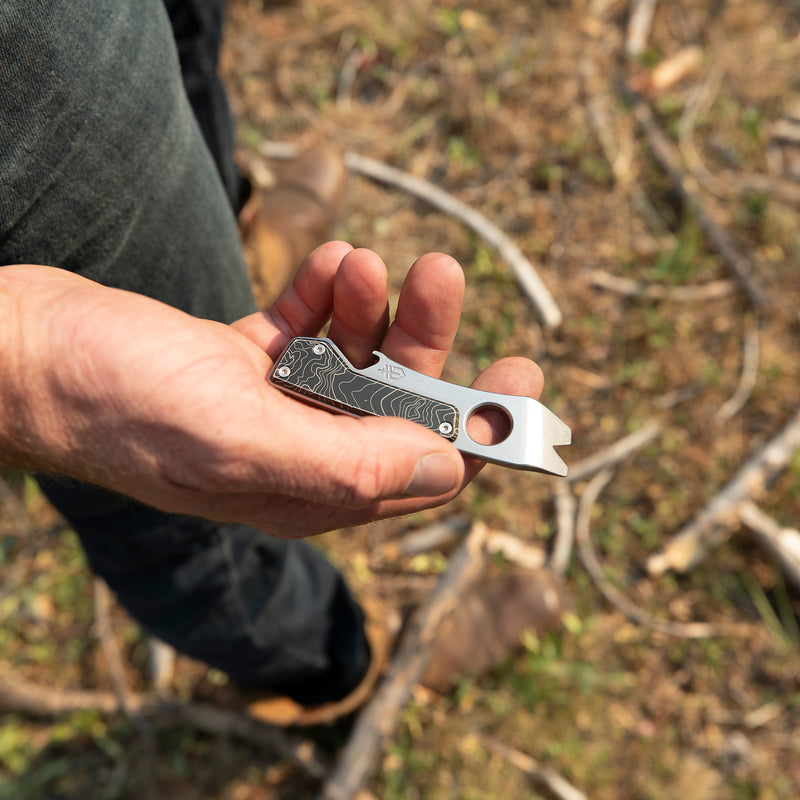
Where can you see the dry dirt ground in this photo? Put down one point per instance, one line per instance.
(517, 109)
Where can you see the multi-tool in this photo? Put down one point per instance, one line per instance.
(315, 370)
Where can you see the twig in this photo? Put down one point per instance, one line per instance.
(378, 719)
(161, 659)
(102, 626)
(515, 550)
(598, 113)
(674, 69)
(547, 776)
(690, 630)
(748, 376)
(712, 290)
(22, 696)
(565, 528)
(524, 271)
(700, 99)
(16, 574)
(666, 153)
(116, 671)
(617, 452)
(422, 540)
(639, 25)
(747, 183)
(715, 523)
(783, 543)
(757, 718)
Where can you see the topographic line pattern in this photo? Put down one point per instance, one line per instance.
(327, 379)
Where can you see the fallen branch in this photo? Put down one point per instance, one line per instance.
(712, 290)
(161, 658)
(748, 376)
(639, 24)
(422, 540)
(674, 69)
(715, 523)
(565, 529)
(547, 776)
(102, 626)
(748, 183)
(21, 696)
(618, 153)
(378, 719)
(524, 271)
(700, 100)
(683, 630)
(514, 550)
(782, 543)
(116, 671)
(617, 452)
(667, 154)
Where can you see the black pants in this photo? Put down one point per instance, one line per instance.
(116, 163)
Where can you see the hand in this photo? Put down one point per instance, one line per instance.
(133, 395)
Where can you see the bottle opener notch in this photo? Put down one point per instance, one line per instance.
(316, 370)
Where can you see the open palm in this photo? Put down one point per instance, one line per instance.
(138, 397)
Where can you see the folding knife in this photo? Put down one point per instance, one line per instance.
(315, 370)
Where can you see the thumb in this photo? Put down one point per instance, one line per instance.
(355, 462)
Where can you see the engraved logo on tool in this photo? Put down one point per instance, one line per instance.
(391, 372)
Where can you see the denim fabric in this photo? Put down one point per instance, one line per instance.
(105, 171)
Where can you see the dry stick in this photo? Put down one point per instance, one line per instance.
(102, 625)
(526, 274)
(116, 671)
(378, 719)
(161, 658)
(523, 269)
(515, 550)
(565, 528)
(712, 290)
(783, 543)
(700, 100)
(422, 540)
(747, 183)
(21, 696)
(689, 630)
(641, 20)
(666, 153)
(547, 776)
(715, 523)
(727, 183)
(748, 376)
(617, 452)
(15, 574)
(598, 113)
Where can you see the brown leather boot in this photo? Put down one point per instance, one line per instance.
(381, 625)
(280, 226)
(484, 629)
(488, 625)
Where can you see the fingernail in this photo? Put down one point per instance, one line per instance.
(434, 474)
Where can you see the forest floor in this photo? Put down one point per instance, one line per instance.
(533, 114)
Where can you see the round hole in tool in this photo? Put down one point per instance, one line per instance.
(489, 424)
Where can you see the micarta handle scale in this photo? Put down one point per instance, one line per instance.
(316, 370)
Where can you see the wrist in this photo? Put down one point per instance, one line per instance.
(32, 434)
